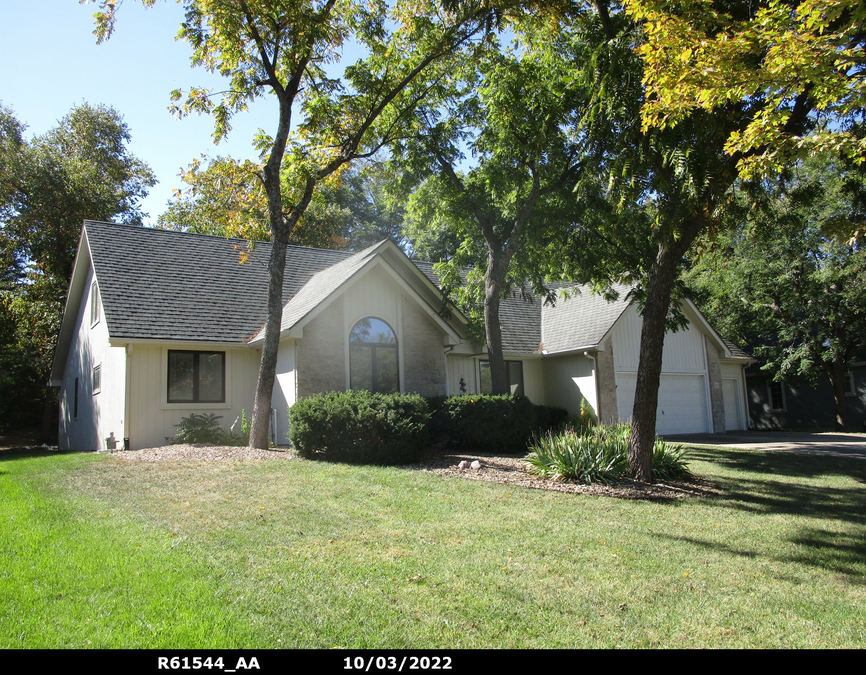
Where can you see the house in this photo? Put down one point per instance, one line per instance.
(161, 324)
(798, 403)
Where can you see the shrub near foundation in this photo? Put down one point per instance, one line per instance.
(494, 423)
(360, 428)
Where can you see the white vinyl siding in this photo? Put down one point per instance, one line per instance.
(98, 416)
(153, 419)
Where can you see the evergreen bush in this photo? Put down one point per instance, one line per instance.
(360, 428)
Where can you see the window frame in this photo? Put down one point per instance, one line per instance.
(374, 347)
(75, 401)
(96, 379)
(95, 309)
(784, 402)
(196, 400)
(508, 364)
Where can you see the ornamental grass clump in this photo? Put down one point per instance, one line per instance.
(585, 458)
(599, 454)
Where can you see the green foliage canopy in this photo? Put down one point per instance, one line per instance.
(795, 57)
(781, 285)
(49, 185)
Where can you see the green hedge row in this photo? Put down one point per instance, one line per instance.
(360, 427)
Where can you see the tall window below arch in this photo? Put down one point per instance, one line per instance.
(373, 357)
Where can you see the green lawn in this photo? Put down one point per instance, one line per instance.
(105, 553)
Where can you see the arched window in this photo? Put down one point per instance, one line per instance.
(373, 357)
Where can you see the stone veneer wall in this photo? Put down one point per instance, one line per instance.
(321, 353)
(607, 403)
(717, 399)
(423, 353)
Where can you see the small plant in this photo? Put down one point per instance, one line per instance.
(585, 419)
(585, 458)
(599, 454)
(245, 425)
(204, 428)
(668, 462)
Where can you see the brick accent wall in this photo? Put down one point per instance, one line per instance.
(423, 353)
(717, 399)
(322, 353)
(608, 413)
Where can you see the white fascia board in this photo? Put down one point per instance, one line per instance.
(422, 278)
(74, 294)
(707, 329)
(179, 344)
(296, 330)
(575, 350)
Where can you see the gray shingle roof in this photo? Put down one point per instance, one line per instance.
(321, 285)
(736, 352)
(164, 285)
(519, 314)
(582, 319)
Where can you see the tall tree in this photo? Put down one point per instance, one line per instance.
(781, 285)
(80, 169)
(509, 108)
(281, 47)
(646, 194)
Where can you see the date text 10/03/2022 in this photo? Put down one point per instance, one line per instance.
(393, 663)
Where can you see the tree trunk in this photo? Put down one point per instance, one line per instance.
(652, 337)
(836, 372)
(280, 230)
(493, 281)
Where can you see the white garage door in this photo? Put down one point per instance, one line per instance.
(682, 407)
(731, 397)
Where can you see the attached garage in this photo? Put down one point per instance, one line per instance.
(682, 407)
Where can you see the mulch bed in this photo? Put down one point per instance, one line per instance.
(503, 469)
(495, 468)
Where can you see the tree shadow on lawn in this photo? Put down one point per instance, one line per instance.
(775, 493)
(841, 549)
(26, 452)
(843, 553)
(781, 463)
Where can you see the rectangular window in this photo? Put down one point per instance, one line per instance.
(776, 393)
(515, 377)
(75, 401)
(94, 304)
(97, 379)
(848, 383)
(196, 377)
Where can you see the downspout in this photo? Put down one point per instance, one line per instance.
(126, 405)
(592, 358)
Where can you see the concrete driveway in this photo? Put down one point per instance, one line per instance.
(836, 444)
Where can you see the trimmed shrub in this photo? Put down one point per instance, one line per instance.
(494, 423)
(360, 428)
(599, 455)
(550, 418)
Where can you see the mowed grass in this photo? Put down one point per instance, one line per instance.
(100, 552)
